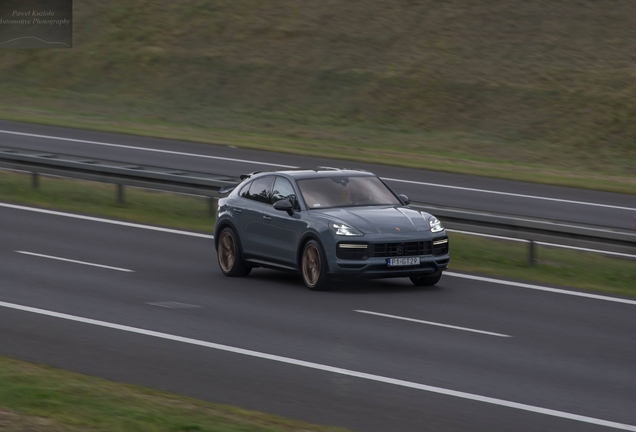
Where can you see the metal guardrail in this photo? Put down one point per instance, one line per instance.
(118, 173)
(535, 231)
(205, 184)
(168, 179)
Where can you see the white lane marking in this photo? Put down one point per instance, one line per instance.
(431, 323)
(325, 368)
(207, 236)
(174, 305)
(510, 194)
(108, 221)
(540, 288)
(144, 149)
(292, 167)
(75, 262)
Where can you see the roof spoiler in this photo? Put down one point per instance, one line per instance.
(246, 176)
(227, 189)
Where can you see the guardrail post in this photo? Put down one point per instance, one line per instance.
(213, 205)
(35, 180)
(120, 193)
(532, 253)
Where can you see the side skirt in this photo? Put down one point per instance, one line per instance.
(272, 265)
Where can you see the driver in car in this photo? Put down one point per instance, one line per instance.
(344, 195)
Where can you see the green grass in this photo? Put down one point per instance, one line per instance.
(141, 205)
(469, 253)
(527, 90)
(567, 268)
(42, 399)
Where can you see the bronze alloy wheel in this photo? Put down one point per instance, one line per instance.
(227, 251)
(311, 265)
(229, 254)
(314, 267)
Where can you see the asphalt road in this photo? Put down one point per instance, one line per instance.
(477, 193)
(515, 359)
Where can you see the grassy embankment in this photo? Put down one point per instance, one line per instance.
(41, 399)
(529, 90)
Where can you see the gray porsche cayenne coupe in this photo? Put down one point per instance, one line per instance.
(327, 224)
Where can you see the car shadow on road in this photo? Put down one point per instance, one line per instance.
(368, 286)
(381, 286)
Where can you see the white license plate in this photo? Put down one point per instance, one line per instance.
(396, 262)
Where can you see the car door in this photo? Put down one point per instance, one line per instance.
(286, 230)
(254, 228)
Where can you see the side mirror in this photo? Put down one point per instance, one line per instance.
(284, 205)
(404, 199)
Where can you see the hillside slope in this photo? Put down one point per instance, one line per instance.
(523, 82)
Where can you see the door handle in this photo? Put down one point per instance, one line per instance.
(267, 218)
(237, 210)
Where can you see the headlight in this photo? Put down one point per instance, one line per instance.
(435, 224)
(343, 230)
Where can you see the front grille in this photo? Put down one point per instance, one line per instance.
(402, 249)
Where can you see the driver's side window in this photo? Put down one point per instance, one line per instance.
(283, 189)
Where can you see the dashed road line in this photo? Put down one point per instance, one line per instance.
(75, 261)
(432, 323)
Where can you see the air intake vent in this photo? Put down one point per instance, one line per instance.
(440, 246)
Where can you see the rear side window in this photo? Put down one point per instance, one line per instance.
(259, 190)
(245, 190)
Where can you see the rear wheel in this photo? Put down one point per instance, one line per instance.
(314, 267)
(229, 255)
(428, 280)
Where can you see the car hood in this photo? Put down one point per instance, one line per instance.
(373, 220)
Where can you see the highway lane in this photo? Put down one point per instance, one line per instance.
(565, 353)
(482, 194)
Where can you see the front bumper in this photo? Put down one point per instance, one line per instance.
(366, 258)
(376, 268)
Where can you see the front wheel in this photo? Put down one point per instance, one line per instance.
(428, 280)
(229, 255)
(314, 267)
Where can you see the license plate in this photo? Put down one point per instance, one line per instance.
(396, 262)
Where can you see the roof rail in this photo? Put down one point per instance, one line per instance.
(341, 169)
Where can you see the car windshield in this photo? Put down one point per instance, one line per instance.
(342, 191)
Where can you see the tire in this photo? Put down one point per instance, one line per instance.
(313, 267)
(229, 255)
(428, 280)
